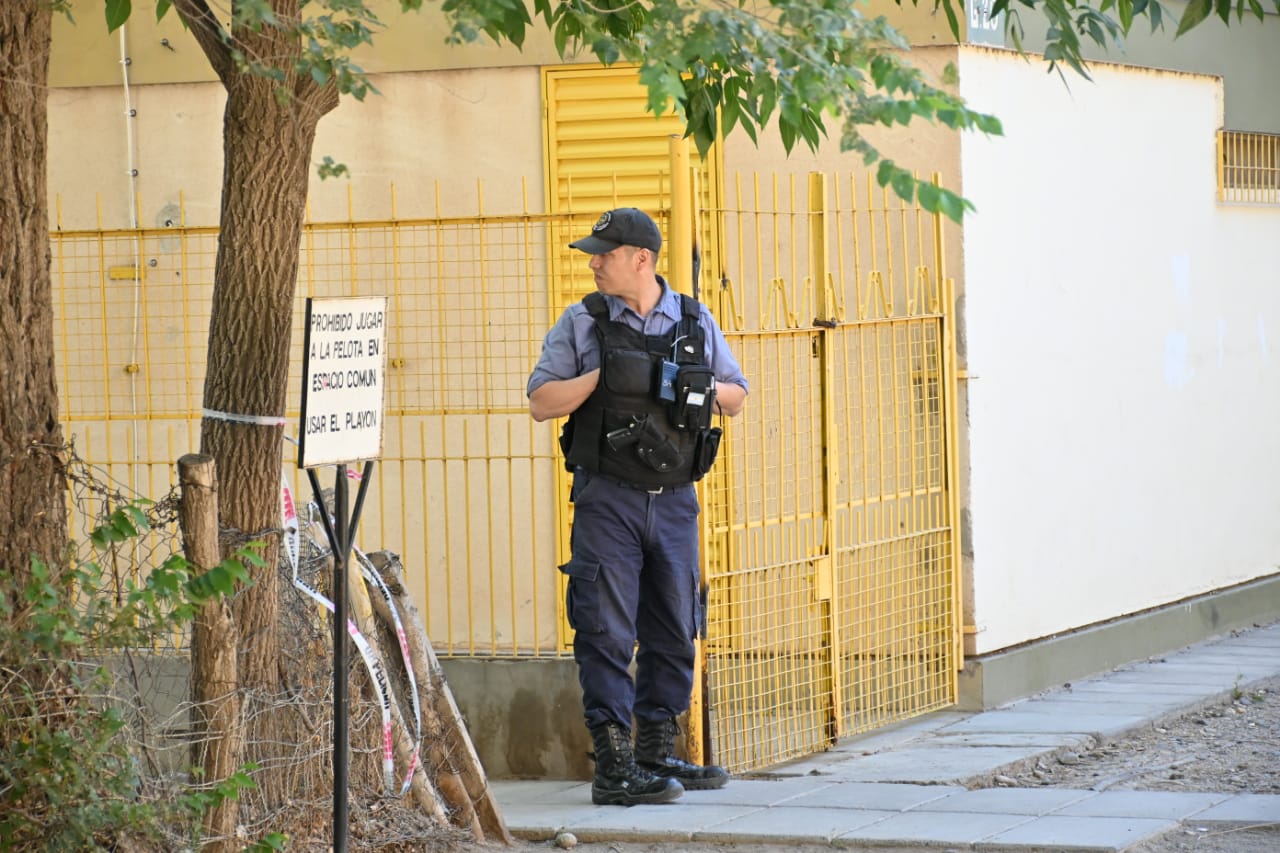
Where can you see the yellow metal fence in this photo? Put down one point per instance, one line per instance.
(830, 543)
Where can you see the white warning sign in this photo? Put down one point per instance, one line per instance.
(344, 365)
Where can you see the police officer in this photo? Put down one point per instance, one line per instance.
(639, 369)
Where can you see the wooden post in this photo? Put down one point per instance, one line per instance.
(214, 674)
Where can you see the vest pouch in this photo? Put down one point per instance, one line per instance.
(695, 398)
(627, 372)
(654, 448)
(704, 454)
(566, 442)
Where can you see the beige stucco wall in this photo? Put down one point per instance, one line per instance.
(477, 118)
(452, 127)
(85, 54)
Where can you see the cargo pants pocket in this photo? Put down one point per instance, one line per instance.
(582, 598)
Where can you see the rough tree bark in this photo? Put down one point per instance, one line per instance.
(33, 516)
(269, 129)
(213, 658)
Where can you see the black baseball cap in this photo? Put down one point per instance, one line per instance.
(625, 226)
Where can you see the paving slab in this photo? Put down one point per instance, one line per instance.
(1023, 801)
(1166, 805)
(883, 796)
(1209, 675)
(1033, 741)
(929, 764)
(757, 792)
(1050, 721)
(1143, 686)
(1121, 706)
(536, 822)
(1062, 834)
(665, 822)
(551, 792)
(1229, 656)
(787, 824)
(935, 829)
(1254, 638)
(1234, 674)
(1112, 698)
(1242, 808)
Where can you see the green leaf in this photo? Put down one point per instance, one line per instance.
(952, 20)
(1196, 11)
(930, 196)
(904, 185)
(139, 517)
(606, 50)
(249, 554)
(788, 133)
(118, 12)
(884, 172)
(162, 8)
(1125, 8)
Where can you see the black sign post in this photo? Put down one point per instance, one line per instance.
(341, 533)
(344, 364)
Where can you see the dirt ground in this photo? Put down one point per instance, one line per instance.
(1230, 747)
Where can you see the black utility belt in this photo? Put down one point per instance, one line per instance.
(638, 487)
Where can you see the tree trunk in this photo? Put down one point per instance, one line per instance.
(267, 150)
(33, 516)
(213, 653)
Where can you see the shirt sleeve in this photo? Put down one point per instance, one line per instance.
(719, 357)
(568, 349)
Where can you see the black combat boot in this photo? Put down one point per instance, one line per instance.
(619, 782)
(656, 752)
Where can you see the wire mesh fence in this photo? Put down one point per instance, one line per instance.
(120, 699)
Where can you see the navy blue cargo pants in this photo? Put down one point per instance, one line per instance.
(633, 579)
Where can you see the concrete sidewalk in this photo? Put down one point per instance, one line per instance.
(907, 786)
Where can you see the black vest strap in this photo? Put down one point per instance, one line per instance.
(584, 437)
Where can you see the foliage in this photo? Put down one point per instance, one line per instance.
(727, 64)
(67, 778)
(1109, 22)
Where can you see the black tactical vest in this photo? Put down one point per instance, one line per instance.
(647, 422)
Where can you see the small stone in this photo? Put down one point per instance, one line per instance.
(566, 840)
(1068, 758)
(1006, 781)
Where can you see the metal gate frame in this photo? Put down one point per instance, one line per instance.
(853, 621)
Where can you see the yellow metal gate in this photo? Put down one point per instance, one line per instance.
(829, 523)
(830, 540)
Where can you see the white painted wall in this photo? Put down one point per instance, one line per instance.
(1123, 349)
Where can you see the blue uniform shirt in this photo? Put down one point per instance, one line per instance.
(571, 349)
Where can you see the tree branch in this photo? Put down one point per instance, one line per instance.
(210, 35)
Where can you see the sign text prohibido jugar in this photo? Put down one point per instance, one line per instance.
(344, 365)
